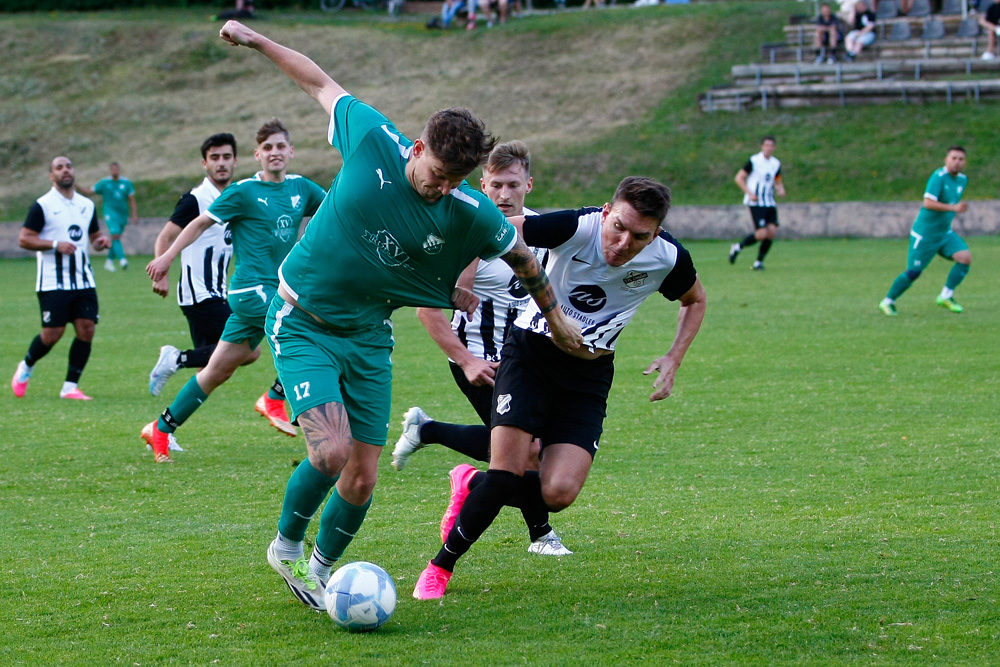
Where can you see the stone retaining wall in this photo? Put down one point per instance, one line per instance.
(838, 220)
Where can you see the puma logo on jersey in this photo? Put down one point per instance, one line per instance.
(503, 404)
(262, 201)
(382, 182)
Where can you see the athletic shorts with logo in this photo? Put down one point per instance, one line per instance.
(480, 396)
(59, 307)
(763, 216)
(207, 320)
(320, 364)
(249, 313)
(923, 248)
(542, 390)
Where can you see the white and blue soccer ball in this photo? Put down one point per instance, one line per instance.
(360, 596)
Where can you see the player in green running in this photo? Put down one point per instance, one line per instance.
(118, 203)
(932, 234)
(397, 228)
(264, 215)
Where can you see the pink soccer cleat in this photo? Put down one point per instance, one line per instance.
(74, 394)
(432, 582)
(158, 440)
(274, 410)
(19, 383)
(460, 476)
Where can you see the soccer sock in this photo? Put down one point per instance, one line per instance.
(116, 252)
(79, 353)
(479, 511)
(306, 490)
(529, 500)
(765, 245)
(36, 351)
(956, 276)
(899, 285)
(196, 358)
(748, 241)
(188, 399)
(473, 441)
(287, 549)
(338, 525)
(320, 565)
(276, 392)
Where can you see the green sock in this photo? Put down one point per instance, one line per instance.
(116, 252)
(188, 399)
(338, 525)
(899, 285)
(956, 275)
(306, 491)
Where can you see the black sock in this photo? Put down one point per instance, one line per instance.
(529, 500)
(748, 241)
(196, 358)
(79, 353)
(765, 245)
(481, 508)
(278, 388)
(473, 441)
(36, 351)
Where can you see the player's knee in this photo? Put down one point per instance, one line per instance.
(559, 496)
(51, 335)
(359, 484)
(963, 257)
(254, 356)
(912, 274)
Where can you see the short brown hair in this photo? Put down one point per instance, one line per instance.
(506, 155)
(459, 139)
(273, 126)
(649, 198)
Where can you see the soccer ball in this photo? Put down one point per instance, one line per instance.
(360, 596)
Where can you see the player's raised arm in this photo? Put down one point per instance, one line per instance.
(565, 331)
(160, 267)
(306, 74)
(689, 321)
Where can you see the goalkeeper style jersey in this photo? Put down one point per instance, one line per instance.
(375, 244)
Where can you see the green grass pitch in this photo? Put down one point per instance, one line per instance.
(821, 489)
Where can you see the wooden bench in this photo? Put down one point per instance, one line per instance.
(798, 73)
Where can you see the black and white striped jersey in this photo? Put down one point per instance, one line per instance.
(204, 263)
(501, 301)
(763, 173)
(56, 218)
(601, 298)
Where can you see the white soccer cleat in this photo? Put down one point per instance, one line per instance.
(409, 441)
(549, 545)
(109, 265)
(303, 583)
(166, 366)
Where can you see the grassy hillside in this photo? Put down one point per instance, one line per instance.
(597, 95)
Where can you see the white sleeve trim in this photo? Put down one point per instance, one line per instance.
(928, 195)
(217, 219)
(333, 114)
(510, 246)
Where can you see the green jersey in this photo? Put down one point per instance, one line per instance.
(375, 244)
(264, 220)
(114, 197)
(944, 188)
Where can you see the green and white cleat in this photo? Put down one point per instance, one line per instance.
(888, 307)
(409, 441)
(950, 304)
(303, 584)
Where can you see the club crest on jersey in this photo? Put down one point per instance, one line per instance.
(433, 244)
(635, 279)
(388, 248)
(284, 228)
(503, 404)
(588, 298)
(75, 232)
(296, 201)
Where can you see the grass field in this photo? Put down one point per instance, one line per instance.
(821, 489)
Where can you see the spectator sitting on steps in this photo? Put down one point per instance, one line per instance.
(991, 24)
(829, 32)
(863, 32)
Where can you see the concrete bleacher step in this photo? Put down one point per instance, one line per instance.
(948, 47)
(779, 96)
(803, 32)
(916, 69)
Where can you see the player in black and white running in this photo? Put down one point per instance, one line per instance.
(474, 344)
(760, 180)
(57, 228)
(203, 283)
(604, 262)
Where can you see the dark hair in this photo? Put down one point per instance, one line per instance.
(216, 140)
(459, 139)
(649, 198)
(768, 137)
(273, 126)
(956, 148)
(505, 156)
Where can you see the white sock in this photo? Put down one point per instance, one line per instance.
(888, 300)
(947, 293)
(286, 549)
(68, 387)
(320, 565)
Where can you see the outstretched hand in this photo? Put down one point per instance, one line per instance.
(666, 369)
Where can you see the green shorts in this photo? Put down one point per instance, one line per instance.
(922, 249)
(249, 312)
(320, 364)
(116, 224)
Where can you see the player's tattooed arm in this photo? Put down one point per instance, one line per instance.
(328, 437)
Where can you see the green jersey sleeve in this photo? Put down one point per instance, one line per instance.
(494, 236)
(101, 186)
(350, 123)
(315, 195)
(934, 185)
(228, 206)
(130, 189)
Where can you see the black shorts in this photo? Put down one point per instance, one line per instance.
(206, 320)
(481, 398)
(542, 390)
(763, 216)
(66, 305)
